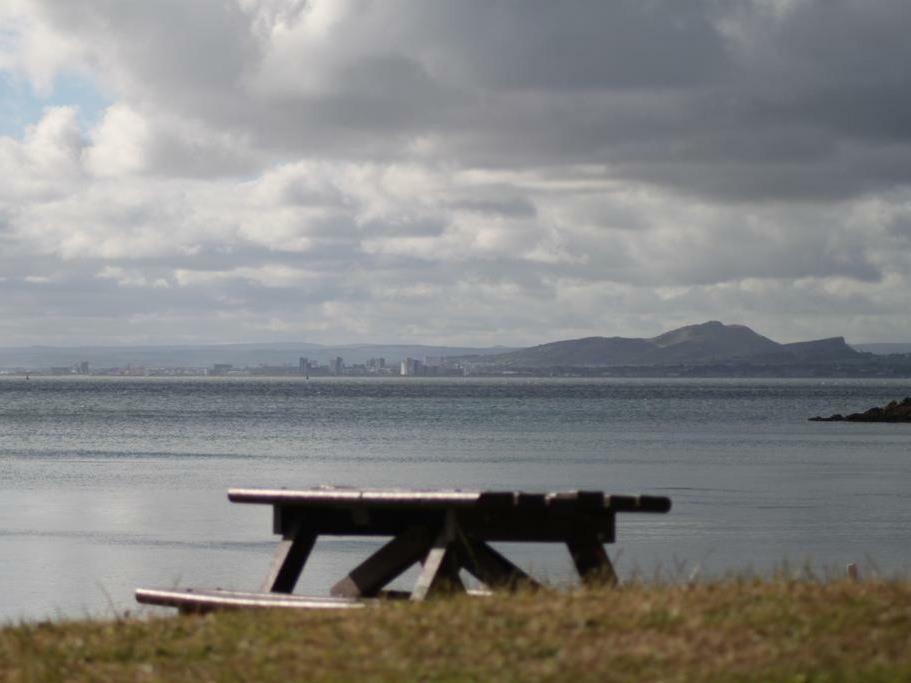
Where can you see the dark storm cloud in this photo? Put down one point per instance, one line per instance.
(734, 100)
(539, 45)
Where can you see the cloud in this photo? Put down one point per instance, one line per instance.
(119, 143)
(36, 48)
(741, 100)
(465, 172)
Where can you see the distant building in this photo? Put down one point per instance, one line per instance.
(441, 366)
(222, 368)
(411, 367)
(303, 366)
(338, 365)
(83, 368)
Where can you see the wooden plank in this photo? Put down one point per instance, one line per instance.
(497, 499)
(490, 567)
(386, 563)
(353, 497)
(420, 498)
(270, 496)
(191, 600)
(591, 560)
(439, 574)
(534, 524)
(590, 500)
(334, 496)
(488, 524)
(570, 501)
(533, 501)
(656, 504)
(329, 497)
(288, 562)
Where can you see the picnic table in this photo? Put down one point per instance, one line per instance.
(444, 531)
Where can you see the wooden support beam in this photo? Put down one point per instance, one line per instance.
(440, 570)
(288, 562)
(490, 567)
(385, 564)
(439, 574)
(591, 560)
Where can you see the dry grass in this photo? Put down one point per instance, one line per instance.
(730, 630)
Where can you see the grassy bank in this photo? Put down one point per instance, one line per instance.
(740, 630)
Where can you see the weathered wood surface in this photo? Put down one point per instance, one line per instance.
(351, 498)
(491, 568)
(485, 515)
(194, 601)
(289, 560)
(513, 524)
(445, 531)
(591, 560)
(440, 566)
(386, 563)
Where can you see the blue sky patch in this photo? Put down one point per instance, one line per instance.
(21, 106)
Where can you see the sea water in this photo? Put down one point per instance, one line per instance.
(110, 484)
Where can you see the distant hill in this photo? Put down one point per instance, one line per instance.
(710, 342)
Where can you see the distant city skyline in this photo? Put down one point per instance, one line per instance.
(465, 173)
(717, 348)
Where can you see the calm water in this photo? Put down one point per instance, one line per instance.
(106, 485)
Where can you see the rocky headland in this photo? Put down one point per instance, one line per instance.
(896, 411)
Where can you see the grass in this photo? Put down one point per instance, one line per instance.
(728, 630)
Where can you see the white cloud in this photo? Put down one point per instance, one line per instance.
(131, 277)
(118, 143)
(53, 146)
(35, 48)
(273, 275)
(37, 279)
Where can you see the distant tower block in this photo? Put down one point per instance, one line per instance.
(338, 365)
(411, 367)
(303, 366)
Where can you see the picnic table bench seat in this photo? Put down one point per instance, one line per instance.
(190, 600)
(445, 531)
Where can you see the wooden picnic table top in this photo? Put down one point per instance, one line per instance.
(588, 501)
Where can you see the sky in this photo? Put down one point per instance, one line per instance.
(462, 172)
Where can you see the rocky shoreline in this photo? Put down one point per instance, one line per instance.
(896, 411)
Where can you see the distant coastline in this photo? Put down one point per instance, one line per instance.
(710, 349)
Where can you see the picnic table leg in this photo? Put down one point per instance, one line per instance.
(489, 566)
(385, 564)
(591, 560)
(288, 562)
(440, 571)
(439, 574)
